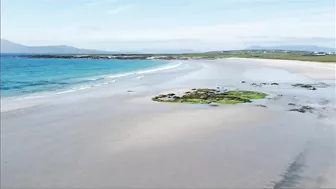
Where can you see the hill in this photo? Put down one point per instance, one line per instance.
(10, 47)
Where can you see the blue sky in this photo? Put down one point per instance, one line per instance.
(168, 24)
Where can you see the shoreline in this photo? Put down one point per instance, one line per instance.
(105, 139)
(119, 82)
(298, 56)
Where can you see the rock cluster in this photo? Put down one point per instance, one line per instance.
(303, 109)
(305, 86)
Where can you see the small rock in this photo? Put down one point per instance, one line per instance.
(297, 110)
(176, 97)
(243, 82)
(307, 108)
(313, 89)
(292, 104)
(274, 83)
(213, 104)
(130, 91)
(260, 105)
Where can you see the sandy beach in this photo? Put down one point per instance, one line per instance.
(120, 138)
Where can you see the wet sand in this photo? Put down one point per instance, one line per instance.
(108, 139)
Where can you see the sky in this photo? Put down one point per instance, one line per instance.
(168, 24)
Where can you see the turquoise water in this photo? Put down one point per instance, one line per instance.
(20, 76)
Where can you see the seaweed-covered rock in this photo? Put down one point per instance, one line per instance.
(207, 96)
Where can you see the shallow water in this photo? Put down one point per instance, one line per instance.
(27, 76)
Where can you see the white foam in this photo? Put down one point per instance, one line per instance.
(159, 69)
(94, 78)
(29, 97)
(83, 87)
(119, 75)
(64, 92)
(140, 77)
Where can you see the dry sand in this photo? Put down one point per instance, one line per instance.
(314, 70)
(125, 140)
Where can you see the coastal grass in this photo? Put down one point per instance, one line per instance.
(208, 96)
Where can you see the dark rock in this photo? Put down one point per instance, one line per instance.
(306, 86)
(313, 89)
(298, 110)
(162, 96)
(274, 83)
(307, 108)
(130, 91)
(213, 104)
(176, 97)
(260, 105)
(303, 109)
(292, 104)
(243, 82)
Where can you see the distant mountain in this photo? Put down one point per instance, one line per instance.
(293, 48)
(10, 47)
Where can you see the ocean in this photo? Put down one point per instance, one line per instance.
(27, 76)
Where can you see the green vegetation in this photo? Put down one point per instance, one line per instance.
(207, 96)
(280, 55)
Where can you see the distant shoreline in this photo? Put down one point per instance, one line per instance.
(300, 56)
